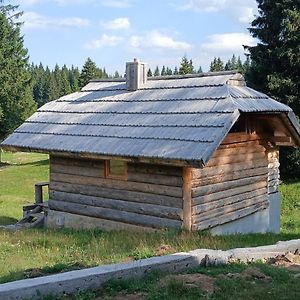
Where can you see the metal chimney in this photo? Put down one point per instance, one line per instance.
(136, 75)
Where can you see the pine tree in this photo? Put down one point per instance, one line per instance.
(275, 61)
(186, 66)
(163, 71)
(217, 65)
(116, 74)
(149, 73)
(89, 71)
(200, 70)
(239, 64)
(74, 79)
(156, 72)
(175, 71)
(65, 87)
(169, 71)
(16, 101)
(101, 74)
(247, 66)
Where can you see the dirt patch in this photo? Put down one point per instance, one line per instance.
(36, 272)
(201, 281)
(250, 274)
(33, 273)
(128, 259)
(289, 261)
(162, 250)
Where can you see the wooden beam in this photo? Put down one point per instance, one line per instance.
(282, 140)
(150, 160)
(187, 198)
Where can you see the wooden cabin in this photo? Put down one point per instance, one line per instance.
(195, 152)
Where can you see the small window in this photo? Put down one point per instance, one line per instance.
(116, 169)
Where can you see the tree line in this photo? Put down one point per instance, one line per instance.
(272, 67)
(48, 85)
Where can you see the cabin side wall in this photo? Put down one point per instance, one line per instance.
(150, 197)
(234, 184)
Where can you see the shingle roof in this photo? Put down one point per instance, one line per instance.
(176, 118)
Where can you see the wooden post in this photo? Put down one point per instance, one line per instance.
(39, 192)
(187, 198)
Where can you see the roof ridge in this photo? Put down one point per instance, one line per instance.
(169, 77)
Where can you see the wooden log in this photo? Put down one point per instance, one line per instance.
(155, 169)
(77, 170)
(78, 162)
(239, 137)
(226, 201)
(234, 151)
(241, 145)
(282, 140)
(219, 170)
(187, 198)
(218, 212)
(115, 194)
(229, 193)
(112, 214)
(230, 216)
(139, 208)
(167, 180)
(223, 186)
(273, 183)
(273, 177)
(273, 189)
(118, 184)
(229, 176)
(235, 159)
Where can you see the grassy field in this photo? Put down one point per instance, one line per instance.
(31, 253)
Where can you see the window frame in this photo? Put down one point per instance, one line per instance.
(108, 175)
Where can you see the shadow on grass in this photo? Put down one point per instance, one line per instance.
(7, 220)
(42, 162)
(39, 272)
(4, 165)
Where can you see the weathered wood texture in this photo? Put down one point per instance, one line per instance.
(187, 198)
(233, 184)
(151, 196)
(273, 170)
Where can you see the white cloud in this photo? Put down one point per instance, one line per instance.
(31, 2)
(155, 39)
(107, 3)
(104, 41)
(227, 43)
(117, 24)
(116, 3)
(33, 20)
(241, 10)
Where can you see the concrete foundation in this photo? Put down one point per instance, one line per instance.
(57, 219)
(267, 220)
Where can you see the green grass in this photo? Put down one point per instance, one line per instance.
(283, 286)
(17, 178)
(35, 252)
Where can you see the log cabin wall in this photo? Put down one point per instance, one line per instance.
(233, 184)
(150, 196)
(273, 170)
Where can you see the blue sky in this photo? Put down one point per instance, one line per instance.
(113, 32)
